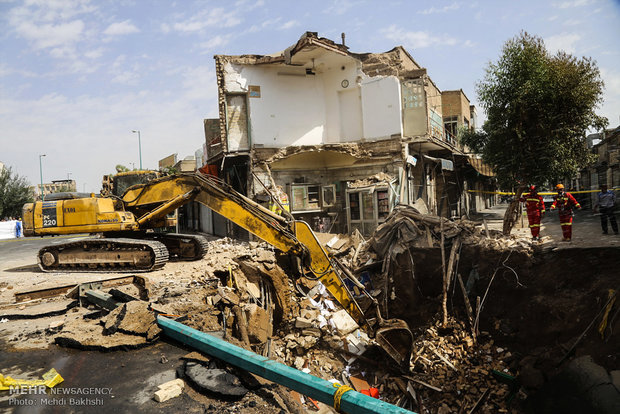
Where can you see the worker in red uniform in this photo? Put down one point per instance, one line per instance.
(565, 202)
(535, 207)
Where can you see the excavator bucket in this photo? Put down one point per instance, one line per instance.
(396, 339)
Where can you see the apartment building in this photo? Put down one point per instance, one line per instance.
(346, 136)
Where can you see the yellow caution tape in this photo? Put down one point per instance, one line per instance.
(541, 193)
(610, 305)
(50, 379)
(339, 393)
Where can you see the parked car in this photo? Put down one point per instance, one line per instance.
(548, 200)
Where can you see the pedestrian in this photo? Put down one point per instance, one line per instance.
(606, 201)
(565, 202)
(535, 207)
(18, 228)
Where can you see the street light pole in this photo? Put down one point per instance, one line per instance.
(137, 131)
(41, 173)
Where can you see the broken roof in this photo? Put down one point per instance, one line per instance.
(395, 62)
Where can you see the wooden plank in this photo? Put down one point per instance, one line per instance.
(43, 293)
(359, 383)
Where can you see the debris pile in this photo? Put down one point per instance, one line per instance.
(456, 373)
(246, 294)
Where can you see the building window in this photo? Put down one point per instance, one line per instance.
(450, 125)
(305, 197)
(328, 195)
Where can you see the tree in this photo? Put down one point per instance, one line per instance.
(64, 189)
(14, 193)
(539, 107)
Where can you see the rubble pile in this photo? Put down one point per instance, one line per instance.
(448, 359)
(375, 179)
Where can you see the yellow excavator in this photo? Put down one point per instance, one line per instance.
(128, 246)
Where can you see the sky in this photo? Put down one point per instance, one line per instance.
(78, 76)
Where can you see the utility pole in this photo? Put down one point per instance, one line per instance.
(137, 131)
(41, 173)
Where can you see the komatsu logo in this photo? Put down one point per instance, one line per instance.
(107, 221)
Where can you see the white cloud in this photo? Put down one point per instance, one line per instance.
(270, 22)
(125, 72)
(340, 7)
(611, 95)
(199, 82)
(214, 42)
(563, 41)
(50, 35)
(204, 19)
(420, 39)
(572, 22)
(94, 54)
(58, 27)
(80, 131)
(445, 9)
(612, 80)
(122, 28)
(247, 5)
(289, 24)
(574, 3)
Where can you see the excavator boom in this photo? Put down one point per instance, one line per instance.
(291, 236)
(145, 206)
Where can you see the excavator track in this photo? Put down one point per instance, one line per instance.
(181, 246)
(103, 255)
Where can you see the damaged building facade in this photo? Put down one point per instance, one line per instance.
(344, 136)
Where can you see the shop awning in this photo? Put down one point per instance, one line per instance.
(481, 167)
(445, 164)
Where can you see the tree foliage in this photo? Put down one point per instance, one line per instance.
(14, 193)
(539, 107)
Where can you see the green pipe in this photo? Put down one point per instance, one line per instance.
(306, 384)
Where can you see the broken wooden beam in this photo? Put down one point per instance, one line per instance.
(43, 293)
(306, 384)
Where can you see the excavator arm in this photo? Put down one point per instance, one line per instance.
(157, 198)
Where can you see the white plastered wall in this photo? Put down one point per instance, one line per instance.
(298, 109)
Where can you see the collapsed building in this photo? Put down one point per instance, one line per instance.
(343, 137)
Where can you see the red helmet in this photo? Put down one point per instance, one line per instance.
(532, 188)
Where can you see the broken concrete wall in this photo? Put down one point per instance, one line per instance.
(336, 167)
(331, 101)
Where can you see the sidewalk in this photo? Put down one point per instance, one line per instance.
(587, 230)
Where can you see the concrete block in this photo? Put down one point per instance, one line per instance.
(311, 314)
(343, 323)
(172, 384)
(167, 393)
(303, 323)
